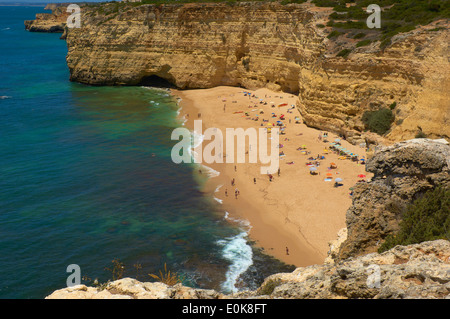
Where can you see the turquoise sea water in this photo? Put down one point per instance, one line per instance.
(86, 177)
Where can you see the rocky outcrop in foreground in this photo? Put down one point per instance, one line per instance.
(415, 271)
(402, 173)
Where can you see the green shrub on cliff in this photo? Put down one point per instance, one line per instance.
(344, 53)
(378, 121)
(363, 43)
(397, 15)
(427, 218)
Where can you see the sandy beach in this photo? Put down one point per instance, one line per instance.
(294, 216)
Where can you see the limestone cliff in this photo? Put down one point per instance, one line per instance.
(413, 72)
(415, 271)
(54, 22)
(259, 44)
(402, 173)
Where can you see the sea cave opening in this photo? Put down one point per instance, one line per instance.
(156, 81)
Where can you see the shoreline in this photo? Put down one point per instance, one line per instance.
(292, 226)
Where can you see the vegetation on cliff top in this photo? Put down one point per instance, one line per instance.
(349, 17)
(198, 1)
(426, 219)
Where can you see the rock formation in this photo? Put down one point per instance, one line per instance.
(415, 271)
(259, 44)
(402, 172)
(54, 22)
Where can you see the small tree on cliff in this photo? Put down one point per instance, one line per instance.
(427, 218)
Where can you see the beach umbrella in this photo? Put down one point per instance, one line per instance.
(329, 174)
(337, 140)
(313, 168)
(338, 180)
(361, 175)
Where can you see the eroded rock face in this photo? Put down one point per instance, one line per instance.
(269, 45)
(415, 271)
(54, 22)
(402, 173)
(195, 45)
(412, 72)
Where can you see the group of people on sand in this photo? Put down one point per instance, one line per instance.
(236, 192)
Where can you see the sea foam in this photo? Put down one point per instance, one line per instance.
(236, 250)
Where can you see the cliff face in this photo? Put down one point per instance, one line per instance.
(49, 22)
(413, 72)
(196, 46)
(268, 45)
(415, 271)
(402, 172)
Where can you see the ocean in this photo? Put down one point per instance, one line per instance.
(86, 178)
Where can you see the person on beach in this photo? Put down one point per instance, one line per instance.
(254, 180)
(232, 182)
(226, 192)
(287, 251)
(279, 172)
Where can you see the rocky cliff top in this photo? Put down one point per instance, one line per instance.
(415, 271)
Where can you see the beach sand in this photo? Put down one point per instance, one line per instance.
(294, 216)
